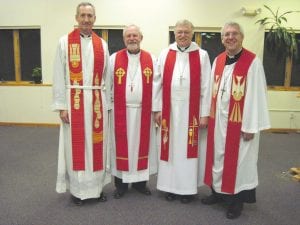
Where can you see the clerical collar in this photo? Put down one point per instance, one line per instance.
(232, 59)
(85, 35)
(134, 53)
(182, 49)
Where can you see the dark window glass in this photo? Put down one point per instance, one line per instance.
(115, 41)
(30, 48)
(211, 42)
(295, 79)
(98, 32)
(274, 67)
(7, 69)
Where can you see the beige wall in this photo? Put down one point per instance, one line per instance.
(22, 104)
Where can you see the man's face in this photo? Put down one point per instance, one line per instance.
(132, 39)
(86, 19)
(232, 39)
(183, 35)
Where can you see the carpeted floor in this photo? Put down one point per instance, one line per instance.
(28, 160)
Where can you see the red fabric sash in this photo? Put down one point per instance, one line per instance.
(236, 108)
(77, 105)
(194, 104)
(120, 72)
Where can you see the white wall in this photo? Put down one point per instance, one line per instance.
(30, 104)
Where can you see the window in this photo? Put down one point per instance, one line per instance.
(114, 38)
(20, 52)
(209, 41)
(282, 72)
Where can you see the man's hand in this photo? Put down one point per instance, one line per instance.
(247, 136)
(157, 118)
(64, 116)
(203, 122)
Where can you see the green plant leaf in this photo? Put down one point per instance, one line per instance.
(280, 39)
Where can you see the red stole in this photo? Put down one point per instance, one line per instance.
(120, 72)
(77, 105)
(194, 104)
(236, 108)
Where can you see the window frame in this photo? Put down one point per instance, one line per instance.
(17, 55)
(287, 71)
(105, 32)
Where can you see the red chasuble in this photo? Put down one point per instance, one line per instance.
(194, 104)
(120, 73)
(77, 105)
(236, 108)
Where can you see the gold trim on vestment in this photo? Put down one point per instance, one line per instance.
(143, 157)
(238, 91)
(74, 55)
(165, 130)
(122, 158)
(97, 137)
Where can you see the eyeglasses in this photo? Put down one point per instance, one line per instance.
(183, 32)
(233, 34)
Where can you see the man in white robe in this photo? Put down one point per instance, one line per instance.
(177, 172)
(126, 169)
(232, 174)
(87, 182)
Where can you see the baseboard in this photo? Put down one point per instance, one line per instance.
(29, 124)
(282, 130)
(272, 130)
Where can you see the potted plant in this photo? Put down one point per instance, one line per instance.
(37, 75)
(280, 39)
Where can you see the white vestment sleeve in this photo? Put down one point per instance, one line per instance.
(59, 76)
(106, 76)
(112, 60)
(256, 115)
(205, 85)
(156, 87)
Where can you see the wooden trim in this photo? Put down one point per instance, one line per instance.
(17, 59)
(281, 88)
(22, 83)
(201, 29)
(29, 124)
(288, 71)
(104, 35)
(198, 38)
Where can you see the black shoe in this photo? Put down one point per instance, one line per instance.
(234, 210)
(102, 197)
(77, 201)
(210, 200)
(170, 197)
(144, 190)
(118, 193)
(186, 199)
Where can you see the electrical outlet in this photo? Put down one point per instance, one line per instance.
(292, 116)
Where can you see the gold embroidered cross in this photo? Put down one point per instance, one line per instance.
(120, 72)
(192, 131)
(147, 72)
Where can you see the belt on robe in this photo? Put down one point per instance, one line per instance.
(102, 87)
(133, 105)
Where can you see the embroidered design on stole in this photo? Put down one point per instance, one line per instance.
(194, 104)
(120, 72)
(236, 105)
(77, 107)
